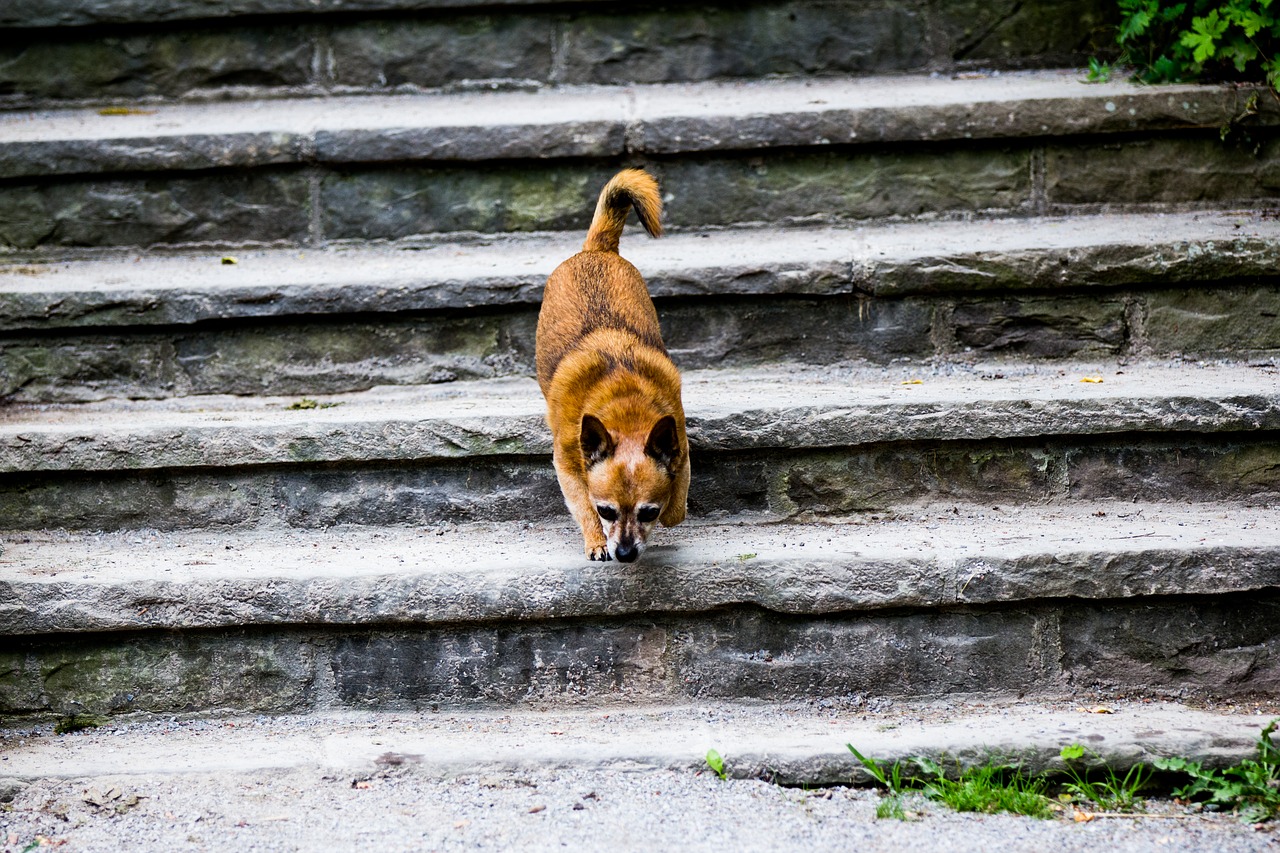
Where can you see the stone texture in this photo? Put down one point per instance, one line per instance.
(1227, 646)
(141, 63)
(842, 185)
(502, 665)
(1167, 170)
(1041, 327)
(261, 207)
(436, 51)
(155, 673)
(1059, 255)
(747, 40)
(766, 656)
(55, 13)
(727, 332)
(746, 409)
(404, 202)
(1218, 320)
(1130, 648)
(1209, 469)
(1009, 33)
(490, 573)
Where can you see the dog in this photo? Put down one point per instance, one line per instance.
(612, 391)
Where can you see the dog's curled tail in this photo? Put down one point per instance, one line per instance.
(629, 188)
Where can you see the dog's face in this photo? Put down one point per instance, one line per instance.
(630, 480)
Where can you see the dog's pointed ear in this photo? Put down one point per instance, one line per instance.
(597, 444)
(663, 444)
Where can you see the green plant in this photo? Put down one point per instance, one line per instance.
(1200, 39)
(1250, 788)
(1099, 71)
(989, 788)
(1110, 792)
(716, 763)
(891, 779)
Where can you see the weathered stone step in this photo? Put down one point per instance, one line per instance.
(972, 600)
(144, 50)
(785, 743)
(65, 583)
(605, 122)
(345, 319)
(782, 442)
(760, 152)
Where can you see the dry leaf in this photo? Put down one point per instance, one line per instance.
(125, 111)
(537, 809)
(1081, 817)
(228, 260)
(1098, 709)
(1096, 380)
(912, 382)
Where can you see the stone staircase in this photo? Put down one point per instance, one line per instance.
(980, 361)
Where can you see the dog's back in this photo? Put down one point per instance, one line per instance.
(596, 290)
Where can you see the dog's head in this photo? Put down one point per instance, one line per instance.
(630, 478)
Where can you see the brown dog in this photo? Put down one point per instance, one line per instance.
(613, 395)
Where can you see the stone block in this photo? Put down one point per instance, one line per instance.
(770, 657)
(746, 40)
(1041, 326)
(1206, 469)
(156, 673)
(169, 63)
(877, 478)
(1041, 33)
(1222, 646)
(502, 665)
(435, 51)
(1204, 320)
(843, 185)
(259, 207)
(389, 204)
(726, 331)
(1171, 170)
(497, 490)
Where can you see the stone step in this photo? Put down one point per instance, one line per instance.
(782, 441)
(312, 172)
(335, 320)
(127, 51)
(794, 744)
(962, 600)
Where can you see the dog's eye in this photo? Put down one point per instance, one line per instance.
(608, 513)
(647, 514)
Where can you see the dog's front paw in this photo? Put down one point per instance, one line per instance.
(599, 552)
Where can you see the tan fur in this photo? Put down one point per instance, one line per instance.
(607, 378)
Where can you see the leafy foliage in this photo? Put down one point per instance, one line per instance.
(1251, 788)
(1170, 42)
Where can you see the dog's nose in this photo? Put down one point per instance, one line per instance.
(626, 553)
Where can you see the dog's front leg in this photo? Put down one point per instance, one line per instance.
(594, 543)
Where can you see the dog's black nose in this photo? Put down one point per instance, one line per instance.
(626, 553)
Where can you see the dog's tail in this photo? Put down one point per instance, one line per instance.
(629, 188)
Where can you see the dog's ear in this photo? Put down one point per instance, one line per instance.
(663, 444)
(597, 444)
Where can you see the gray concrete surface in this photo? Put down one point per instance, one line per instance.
(626, 779)
(782, 407)
(602, 122)
(54, 582)
(881, 260)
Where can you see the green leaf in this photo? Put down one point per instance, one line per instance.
(1072, 752)
(716, 763)
(1204, 35)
